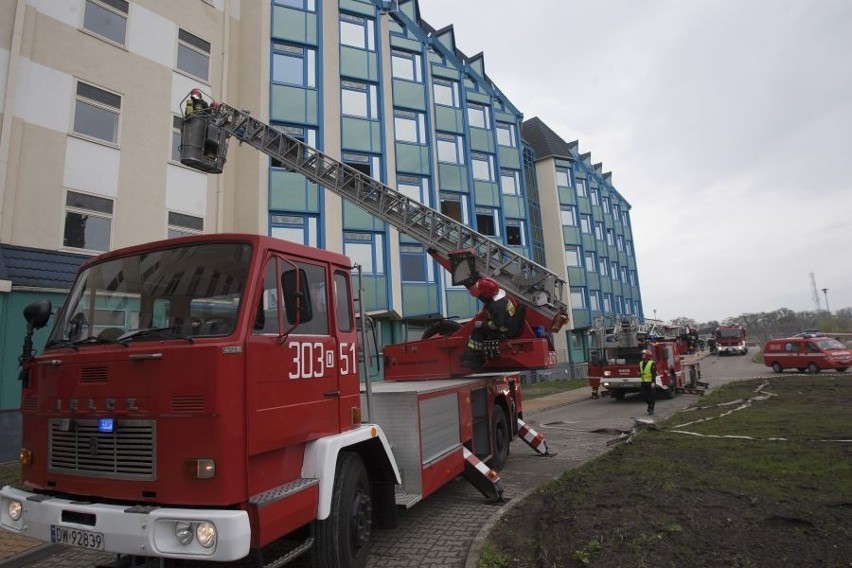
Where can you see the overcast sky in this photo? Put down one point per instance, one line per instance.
(727, 125)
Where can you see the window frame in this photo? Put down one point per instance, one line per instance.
(368, 31)
(113, 8)
(572, 251)
(370, 91)
(444, 138)
(178, 225)
(82, 210)
(409, 60)
(103, 105)
(454, 92)
(307, 58)
(478, 160)
(196, 46)
(509, 130)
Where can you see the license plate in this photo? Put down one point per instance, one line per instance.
(77, 537)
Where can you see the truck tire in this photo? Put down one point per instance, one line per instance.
(776, 366)
(500, 437)
(343, 539)
(669, 393)
(812, 368)
(618, 394)
(842, 369)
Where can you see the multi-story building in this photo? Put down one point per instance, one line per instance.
(93, 92)
(588, 224)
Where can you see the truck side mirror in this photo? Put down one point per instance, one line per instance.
(37, 314)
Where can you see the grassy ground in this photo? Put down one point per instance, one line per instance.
(545, 388)
(782, 497)
(9, 473)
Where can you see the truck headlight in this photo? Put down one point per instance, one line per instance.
(184, 533)
(607, 373)
(15, 509)
(206, 533)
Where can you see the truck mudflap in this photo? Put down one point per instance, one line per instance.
(485, 479)
(532, 438)
(123, 529)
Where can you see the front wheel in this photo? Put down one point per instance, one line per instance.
(500, 437)
(776, 366)
(343, 539)
(812, 368)
(618, 394)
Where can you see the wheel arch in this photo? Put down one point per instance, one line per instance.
(368, 440)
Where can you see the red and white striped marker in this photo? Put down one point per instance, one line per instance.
(485, 479)
(532, 438)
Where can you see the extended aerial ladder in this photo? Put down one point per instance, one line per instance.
(465, 253)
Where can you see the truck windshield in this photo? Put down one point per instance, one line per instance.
(174, 293)
(729, 333)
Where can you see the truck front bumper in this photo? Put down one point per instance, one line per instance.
(121, 529)
(621, 383)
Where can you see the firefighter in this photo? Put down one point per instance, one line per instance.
(195, 103)
(647, 372)
(503, 320)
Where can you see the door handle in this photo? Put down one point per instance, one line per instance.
(332, 393)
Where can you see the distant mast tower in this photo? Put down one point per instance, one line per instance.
(815, 293)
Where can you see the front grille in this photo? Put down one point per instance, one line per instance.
(78, 447)
(93, 375)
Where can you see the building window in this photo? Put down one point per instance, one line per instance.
(624, 274)
(359, 99)
(177, 122)
(581, 187)
(586, 224)
(483, 166)
(569, 216)
(365, 249)
(306, 5)
(88, 221)
(300, 133)
(616, 212)
(633, 278)
(446, 93)
(563, 177)
(414, 188)
(591, 265)
(594, 302)
(486, 221)
(356, 31)
(595, 197)
(450, 149)
(181, 225)
(193, 55)
(628, 247)
(454, 206)
(509, 182)
(300, 229)
(613, 265)
(96, 113)
(578, 298)
(515, 233)
(478, 115)
(610, 238)
(415, 265)
(506, 135)
(408, 66)
(602, 265)
(409, 126)
(607, 303)
(293, 65)
(619, 243)
(599, 233)
(605, 203)
(572, 257)
(106, 18)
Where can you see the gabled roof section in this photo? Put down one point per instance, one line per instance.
(39, 268)
(546, 142)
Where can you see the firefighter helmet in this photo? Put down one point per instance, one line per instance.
(647, 353)
(195, 93)
(485, 287)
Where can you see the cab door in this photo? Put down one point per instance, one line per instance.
(293, 390)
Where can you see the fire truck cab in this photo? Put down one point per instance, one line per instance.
(810, 353)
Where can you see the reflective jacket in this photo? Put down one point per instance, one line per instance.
(647, 370)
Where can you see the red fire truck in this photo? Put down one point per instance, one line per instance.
(731, 339)
(219, 406)
(616, 345)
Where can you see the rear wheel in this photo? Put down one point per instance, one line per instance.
(500, 437)
(842, 369)
(618, 394)
(776, 366)
(812, 368)
(343, 539)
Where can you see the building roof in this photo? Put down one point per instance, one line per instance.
(545, 141)
(39, 268)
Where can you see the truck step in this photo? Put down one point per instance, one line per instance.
(407, 500)
(295, 550)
